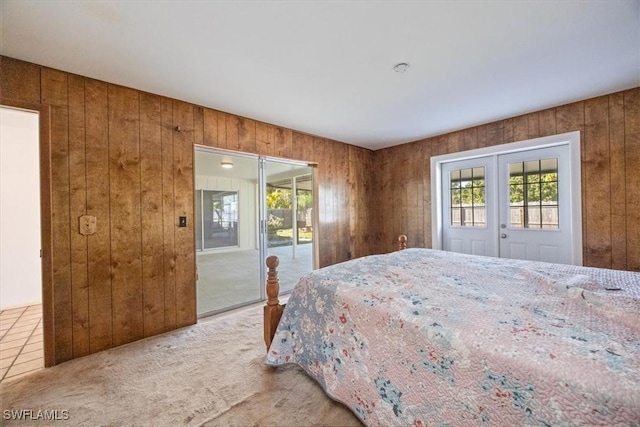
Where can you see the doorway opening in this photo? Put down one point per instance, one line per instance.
(21, 326)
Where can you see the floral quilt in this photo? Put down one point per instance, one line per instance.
(424, 337)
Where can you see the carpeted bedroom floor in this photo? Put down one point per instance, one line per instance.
(207, 374)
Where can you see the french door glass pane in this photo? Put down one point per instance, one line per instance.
(467, 192)
(533, 194)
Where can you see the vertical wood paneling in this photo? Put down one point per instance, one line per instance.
(414, 194)
(495, 133)
(55, 93)
(210, 127)
(381, 184)
(361, 206)
(632, 160)
(455, 142)
(20, 80)
(327, 197)
(151, 214)
(482, 138)
(264, 139)
(233, 139)
(469, 139)
(426, 194)
(78, 207)
(571, 118)
(597, 185)
(48, 307)
(618, 172)
(439, 145)
(246, 135)
(300, 141)
(98, 244)
(303, 148)
(520, 129)
(198, 125)
(126, 247)
(509, 131)
(168, 216)
(341, 198)
(534, 125)
(399, 194)
(547, 122)
(283, 140)
(222, 130)
(184, 236)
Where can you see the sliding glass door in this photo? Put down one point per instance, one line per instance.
(289, 209)
(227, 242)
(247, 208)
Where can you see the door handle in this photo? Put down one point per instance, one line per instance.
(503, 236)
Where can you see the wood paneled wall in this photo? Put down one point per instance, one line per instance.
(116, 154)
(610, 150)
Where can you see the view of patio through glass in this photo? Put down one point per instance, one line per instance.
(533, 194)
(289, 211)
(468, 197)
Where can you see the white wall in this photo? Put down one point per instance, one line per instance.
(247, 206)
(20, 267)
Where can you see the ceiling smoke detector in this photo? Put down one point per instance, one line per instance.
(401, 67)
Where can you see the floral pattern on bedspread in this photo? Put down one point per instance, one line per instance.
(423, 337)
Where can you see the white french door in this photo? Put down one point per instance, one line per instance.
(535, 205)
(469, 207)
(510, 205)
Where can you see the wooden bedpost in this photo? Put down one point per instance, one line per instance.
(402, 242)
(273, 309)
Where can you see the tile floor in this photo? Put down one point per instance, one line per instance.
(21, 350)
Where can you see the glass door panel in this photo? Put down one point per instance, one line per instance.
(289, 219)
(227, 217)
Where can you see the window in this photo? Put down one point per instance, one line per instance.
(533, 194)
(216, 219)
(468, 197)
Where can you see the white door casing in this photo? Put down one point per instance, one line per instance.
(562, 245)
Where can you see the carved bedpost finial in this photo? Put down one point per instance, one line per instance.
(273, 284)
(273, 309)
(402, 242)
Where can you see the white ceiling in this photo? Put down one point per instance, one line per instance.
(325, 67)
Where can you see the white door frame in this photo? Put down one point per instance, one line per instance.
(570, 138)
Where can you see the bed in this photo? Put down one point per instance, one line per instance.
(425, 337)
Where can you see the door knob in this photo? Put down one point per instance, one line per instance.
(503, 236)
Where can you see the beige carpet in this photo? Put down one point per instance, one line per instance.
(208, 374)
